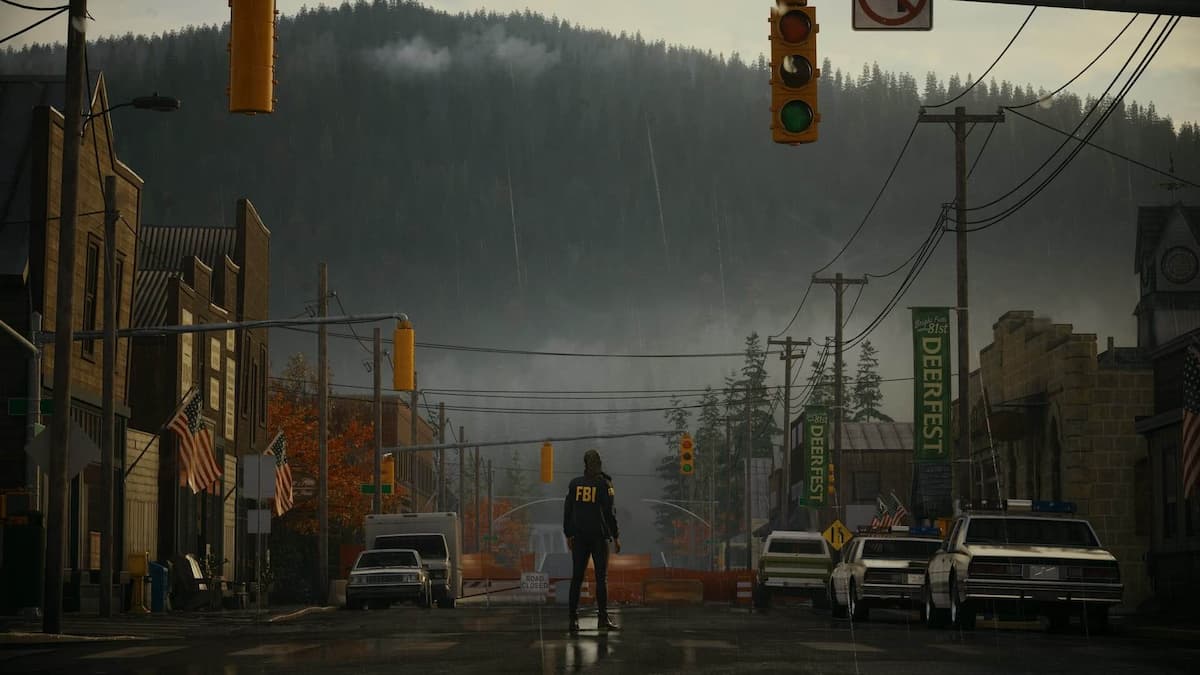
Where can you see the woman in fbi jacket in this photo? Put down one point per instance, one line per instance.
(588, 523)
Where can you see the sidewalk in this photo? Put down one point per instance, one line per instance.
(21, 632)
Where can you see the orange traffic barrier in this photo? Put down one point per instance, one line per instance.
(673, 592)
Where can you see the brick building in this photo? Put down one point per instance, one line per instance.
(1168, 240)
(31, 142)
(416, 473)
(203, 275)
(1057, 423)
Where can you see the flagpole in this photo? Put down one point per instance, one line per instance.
(156, 434)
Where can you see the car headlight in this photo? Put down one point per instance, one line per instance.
(354, 581)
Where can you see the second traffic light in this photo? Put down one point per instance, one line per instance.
(547, 472)
(404, 365)
(387, 473)
(794, 72)
(687, 455)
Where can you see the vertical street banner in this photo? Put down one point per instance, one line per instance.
(932, 449)
(816, 455)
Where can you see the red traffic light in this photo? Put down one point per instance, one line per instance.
(795, 27)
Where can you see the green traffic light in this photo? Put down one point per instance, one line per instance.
(796, 116)
(687, 468)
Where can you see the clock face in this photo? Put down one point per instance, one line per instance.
(1179, 265)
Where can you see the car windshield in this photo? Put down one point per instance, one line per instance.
(803, 546)
(430, 546)
(900, 549)
(1031, 532)
(374, 559)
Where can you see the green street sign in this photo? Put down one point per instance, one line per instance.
(491, 537)
(20, 406)
(369, 489)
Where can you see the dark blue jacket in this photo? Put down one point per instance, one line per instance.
(588, 508)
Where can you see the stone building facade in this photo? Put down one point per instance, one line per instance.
(1054, 420)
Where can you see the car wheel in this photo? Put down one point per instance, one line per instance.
(858, 611)
(934, 617)
(835, 608)
(962, 613)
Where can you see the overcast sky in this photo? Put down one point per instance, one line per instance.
(966, 36)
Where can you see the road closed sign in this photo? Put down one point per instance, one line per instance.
(535, 582)
(892, 14)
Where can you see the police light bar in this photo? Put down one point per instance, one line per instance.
(925, 531)
(1022, 505)
(1053, 507)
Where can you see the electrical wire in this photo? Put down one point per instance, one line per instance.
(981, 149)
(32, 26)
(36, 9)
(982, 77)
(359, 340)
(1083, 120)
(846, 319)
(995, 219)
(1091, 63)
(1114, 153)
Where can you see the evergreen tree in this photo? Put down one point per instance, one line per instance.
(866, 394)
(666, 518)
(820, 384)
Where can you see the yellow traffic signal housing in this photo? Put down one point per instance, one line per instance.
(387, 472)
(403, 368)
(794, 72)
(832, 487)
(252, 56)
(547, 473)
(687, 455)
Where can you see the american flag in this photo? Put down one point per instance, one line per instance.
(884, 515)
(283, 474)
(900, 512)
(198, 468)
(1191, 421)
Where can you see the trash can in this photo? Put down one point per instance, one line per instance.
(158, 587)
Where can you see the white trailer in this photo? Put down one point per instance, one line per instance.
(437, 537)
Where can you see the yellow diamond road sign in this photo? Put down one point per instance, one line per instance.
(837, 535)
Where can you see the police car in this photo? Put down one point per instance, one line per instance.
(882, 567)
(1021, 556)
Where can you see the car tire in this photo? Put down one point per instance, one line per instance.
(962, 612)
(934, 617)
(835, 608)
(858, 611)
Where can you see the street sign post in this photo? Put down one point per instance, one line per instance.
(837, 535)
(537, 582)
(892, 14)
(369, 489)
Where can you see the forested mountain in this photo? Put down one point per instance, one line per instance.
(501, 175)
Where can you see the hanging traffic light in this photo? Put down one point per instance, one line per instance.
(252, 56)
(547, 462)
(687, 455)
(794, 72)
(404, 344)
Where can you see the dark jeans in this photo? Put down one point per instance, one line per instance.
(597, 549)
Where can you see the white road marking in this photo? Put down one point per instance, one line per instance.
(839, 647)
(275, 649)
(134, 652)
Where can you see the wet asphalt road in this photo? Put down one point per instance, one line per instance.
(654, 640)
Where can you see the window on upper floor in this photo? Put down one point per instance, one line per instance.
(91, 284)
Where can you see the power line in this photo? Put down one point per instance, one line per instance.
(981, 149)
(989, 68)
(995, 219)
(36, 9)
(33, 25)
(1080, 73)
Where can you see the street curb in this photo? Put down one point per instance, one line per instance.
(16, 639)
(299, 613)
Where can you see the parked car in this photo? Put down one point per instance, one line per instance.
(383, 576)
(793, 563)
(882, 568)
(437, 537)
(1031, 558)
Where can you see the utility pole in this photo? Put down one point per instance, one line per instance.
(108, 433)
(441, 455)
(323, 431)
(964, 484)
(728, 481)
(34, 475)
(477, 507)
(459, 500)
(749, 456)
(839, 284)
(491, 506)
(64, 312)
(377, 502)
(785, 491)
(412, 439)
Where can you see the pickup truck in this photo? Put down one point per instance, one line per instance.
(793, 563)
(1029, 558)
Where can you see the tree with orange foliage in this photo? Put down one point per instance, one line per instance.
(512, 534)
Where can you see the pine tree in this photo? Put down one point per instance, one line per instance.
(866, 395)
(820, 384)
(666, 518)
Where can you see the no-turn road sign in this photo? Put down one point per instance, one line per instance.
(892, 14)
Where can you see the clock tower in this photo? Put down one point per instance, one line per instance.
(1167, 262)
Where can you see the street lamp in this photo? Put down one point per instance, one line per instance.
(111, 214)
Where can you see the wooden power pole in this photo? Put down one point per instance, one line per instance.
(441, 456)
(377, 501)
(323, 431)
(785, 490)
(964, 483)
(839, 284)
